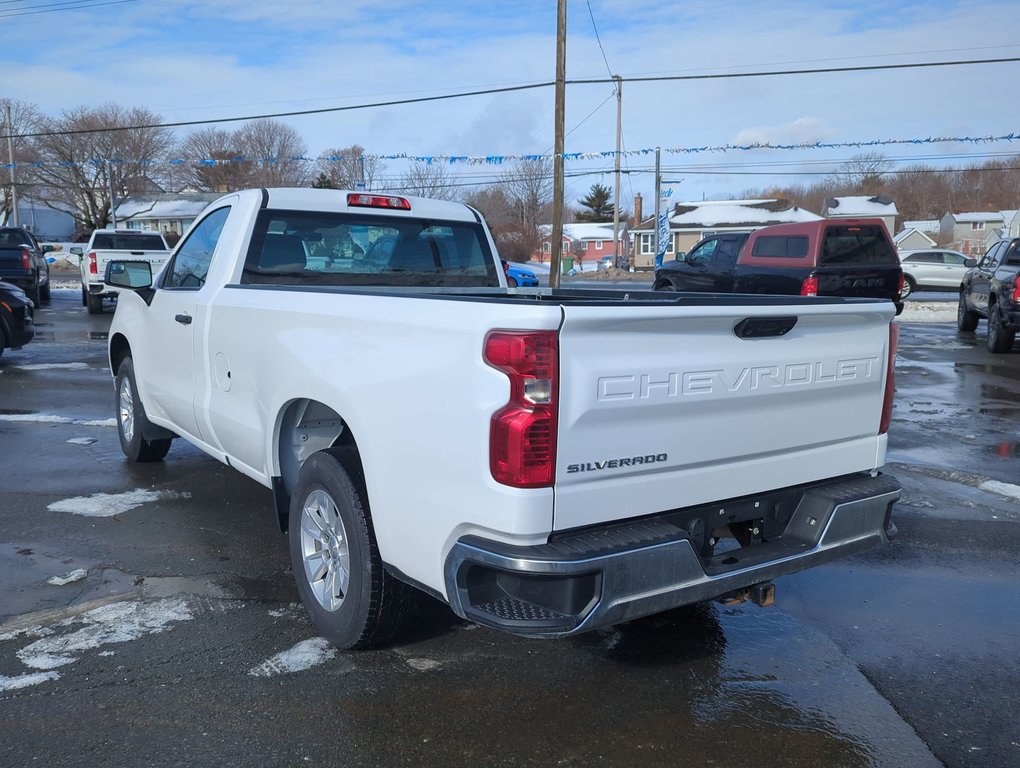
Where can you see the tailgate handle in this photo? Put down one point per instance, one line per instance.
(764, 327)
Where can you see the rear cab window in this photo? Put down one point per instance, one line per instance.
(355, 249)
(126, 242)
(864, 245)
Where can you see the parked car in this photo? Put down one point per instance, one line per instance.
(829, 257)
(934, 269)
(516, 275)
(23, 263)
(107, 245)
(992, 290)
(17, 325)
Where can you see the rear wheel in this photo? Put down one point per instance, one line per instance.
(1000, 337)
(352, 601)
(94, 303)
(33, 294)
(84, 296)
(131, 418)
(909, 286)
(966, 318)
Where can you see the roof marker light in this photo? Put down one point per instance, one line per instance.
(360, 200)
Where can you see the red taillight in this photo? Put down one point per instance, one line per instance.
(890, 378)
(93, 267)
(26, 259)
(522, 434)
(378, 201)
(1016, 291)
(899, 287)
(809, 287)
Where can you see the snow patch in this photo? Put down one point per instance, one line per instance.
(423, 665)
(82, 441)
(110, 504)
(23, 681)
(52, 367)
(48, 418)
(304, 655)
(76, 575)
(1003, 489)
(117, 623)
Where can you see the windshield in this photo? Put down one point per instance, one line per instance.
(306, 248)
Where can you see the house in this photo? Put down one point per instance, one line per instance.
(48, 224)
(971, 231)
(690, 222)
(168, 213)
(583, 241)
(1012, 223)
(862, 206)
(913, 239)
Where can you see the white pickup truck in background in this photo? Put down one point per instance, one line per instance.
(544, 461)
(107, 245)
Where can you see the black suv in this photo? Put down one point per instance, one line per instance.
(992, 290)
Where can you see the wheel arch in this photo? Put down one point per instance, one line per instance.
(305, 426)
(119, 349)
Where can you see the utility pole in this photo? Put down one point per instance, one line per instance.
(10, 159)
(658, 198)
(113, 207)
(561, 77)
(616, 186)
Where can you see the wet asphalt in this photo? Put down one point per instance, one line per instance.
(183, 643)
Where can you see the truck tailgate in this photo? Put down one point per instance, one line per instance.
(666, 407)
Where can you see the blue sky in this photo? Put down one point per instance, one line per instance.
(189, 60)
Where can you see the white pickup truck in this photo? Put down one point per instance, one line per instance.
(544, 461)
(108, 245)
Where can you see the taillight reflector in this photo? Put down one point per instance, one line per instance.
(890, 378)
(900, 286)
(522, 434)
(93, 267)
(810, 286)
(378, 201)
(1016, 291)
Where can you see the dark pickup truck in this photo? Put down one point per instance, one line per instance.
(992, 290)
(831, 257)
(23, 263)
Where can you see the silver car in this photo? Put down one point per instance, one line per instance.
(933, 269)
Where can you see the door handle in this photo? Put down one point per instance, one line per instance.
(183, 319)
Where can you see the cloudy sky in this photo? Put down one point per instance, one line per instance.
(190, 60)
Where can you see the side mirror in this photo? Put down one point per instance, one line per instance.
(681, 256)
(970, 262)
(75, 251)
(48, 249)
(129, 274)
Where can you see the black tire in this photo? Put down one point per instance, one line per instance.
(131, 419)
(94, 303)
(373, 606)
(1000, 337)
(44, 293)
(663, 285)
(511, 281)
(84, 296)
(33, 294)
(966, 318)
(909, 286)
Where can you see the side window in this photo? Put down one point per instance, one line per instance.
(191, 262)
(702, 253)
(991, 259)
(779, 246)
(954, 259)
(726, 254)
(926, 258)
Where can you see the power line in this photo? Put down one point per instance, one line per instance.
(515, 88)
(598, 39)
(70, 5)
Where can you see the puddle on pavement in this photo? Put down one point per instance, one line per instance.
(1006, 450)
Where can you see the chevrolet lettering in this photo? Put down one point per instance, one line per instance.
(303, 337)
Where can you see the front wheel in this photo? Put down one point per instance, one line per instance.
(966, 318)
(1000, 337)
(663, 285)
(511, 282)
(131, 417)
(908, 287)
(352, 601)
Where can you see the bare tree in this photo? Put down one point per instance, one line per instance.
(346, 167)
(23, 119)
(864, 173)
(215, 162)
(81, 158)
(527, 186)
(276, 151)
(426, 179)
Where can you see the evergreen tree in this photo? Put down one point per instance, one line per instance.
(597, 206)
